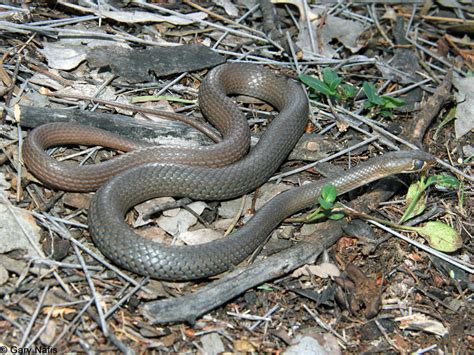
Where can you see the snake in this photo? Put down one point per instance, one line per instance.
(126, 187)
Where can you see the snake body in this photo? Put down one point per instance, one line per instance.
(179, 174)
(120, 243)
(215, 104)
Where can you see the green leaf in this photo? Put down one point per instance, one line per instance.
(349, 90)
(317, 85)
(449, 117)
(329, 192)
(416, 201)
(440, 236)
(336, 216)
(444, 181)
(331, 78)
(326, 205)
(385, 113)
(391, 102)
(265, 287)
(315, 216)
(371, 93)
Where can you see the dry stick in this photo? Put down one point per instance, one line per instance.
(33, 317)
(240, 19)
(20, 28)
(222, 18)
(190, 307)
(390, 341)
(42, 329)
(64, 233)
(98, 305)
(445, 257)
(207, 23)
(110, 336)
(373, 11)
(329, 158)
(420, 123)
(237, 216)
(325, 326)
(438, 58)
(125, 298)
(265, 316)
(293, 54)
(164, 114)
(71, 324)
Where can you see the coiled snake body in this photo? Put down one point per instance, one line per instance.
(119, 242)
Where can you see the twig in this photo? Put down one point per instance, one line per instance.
(33, 317)
(98, 305)
(222, 18)
(372, 10)
(324, 325)
(189, 307)
(428, 249)
(237, 215)
(204, 22)
(420, 123)
(329, 158)
(385, 335)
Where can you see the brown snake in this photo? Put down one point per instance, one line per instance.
(119, 242)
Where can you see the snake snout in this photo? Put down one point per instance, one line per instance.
(417, 161)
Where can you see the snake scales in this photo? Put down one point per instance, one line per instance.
(208, 173)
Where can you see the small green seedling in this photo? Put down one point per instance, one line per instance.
(326, 200)
(384, 103)
(416, 195)
(330, 85)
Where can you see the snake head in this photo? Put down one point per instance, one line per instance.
(416, 161)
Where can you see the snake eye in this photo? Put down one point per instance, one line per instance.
(418, 164)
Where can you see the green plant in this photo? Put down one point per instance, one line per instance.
(330, 85)
(326, 200)
(439, 235)
(383, 103)
(416, 195)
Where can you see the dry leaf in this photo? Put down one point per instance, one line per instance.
(323, 270)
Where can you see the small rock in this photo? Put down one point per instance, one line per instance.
(49, 334)
(13, 265)
(200, 236)
(77, 200)
(230, 208)
(318, 344)
(308, 228)
(56, 248)
(3, 275)
(222, 224)
(269, 191)
(183, 220)
(212, 344)
(284, 232)
(155, 288)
